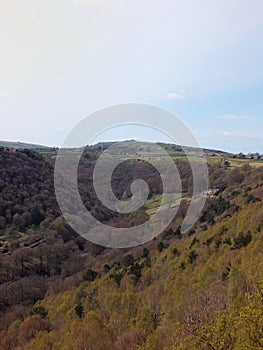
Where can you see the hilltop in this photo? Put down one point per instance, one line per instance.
(23, 145)
(212, 155)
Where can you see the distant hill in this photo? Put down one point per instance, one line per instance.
(22, 145)
(131, 144)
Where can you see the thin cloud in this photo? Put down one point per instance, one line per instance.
(178, 95)
(88, 2)
(235, 117)
(227, 117)
(246, 117)
(229, 134)
(3, 94)
(234, 135)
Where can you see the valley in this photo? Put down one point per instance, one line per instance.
(199, 290)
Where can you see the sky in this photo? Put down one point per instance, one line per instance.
(202, 60)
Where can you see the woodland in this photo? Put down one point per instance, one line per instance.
(200, 290)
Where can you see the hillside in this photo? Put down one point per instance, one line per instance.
(23, 145)
(202, 290)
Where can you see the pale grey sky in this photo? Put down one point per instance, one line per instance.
(63, 59)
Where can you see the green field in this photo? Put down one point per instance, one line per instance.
(237, 163)
(153, 204)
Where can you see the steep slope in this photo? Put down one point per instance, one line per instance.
(202, 290)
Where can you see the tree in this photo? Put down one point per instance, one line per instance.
(30, 327)
(90, 275)
(79, 309)
(88, 333)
